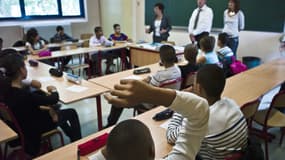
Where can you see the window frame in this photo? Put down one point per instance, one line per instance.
(24, 17)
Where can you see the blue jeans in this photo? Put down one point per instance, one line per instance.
(233, 44)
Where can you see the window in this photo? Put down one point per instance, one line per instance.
(10, 8)
(41, 9)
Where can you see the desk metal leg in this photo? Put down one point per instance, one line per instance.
(123, 59)
(99, 62)
(99, 112)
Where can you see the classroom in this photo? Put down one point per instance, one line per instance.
(142, 80)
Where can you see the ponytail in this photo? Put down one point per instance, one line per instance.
(10, 64)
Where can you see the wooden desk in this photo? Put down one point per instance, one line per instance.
(56, 45)
(6, 133)
(162, 148)
(109, 81)
(41, 73)
(142, 55)
(256, 82)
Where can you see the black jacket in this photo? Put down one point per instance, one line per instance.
(165, 24)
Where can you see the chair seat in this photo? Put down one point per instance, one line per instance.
(50, 133)
(77, 66)
(276, 118)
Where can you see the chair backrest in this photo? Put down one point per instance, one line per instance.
(172, 84)
(68, 47)
(189, 80)
(249, 109)
(9, 118)
(86, 37)
(278, 101)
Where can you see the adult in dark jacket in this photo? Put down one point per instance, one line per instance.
(160, 26)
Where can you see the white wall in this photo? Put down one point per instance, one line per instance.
(118, 11)
(261, 44)
(10, 35)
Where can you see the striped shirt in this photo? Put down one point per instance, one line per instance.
(165, 75)
(227, 130)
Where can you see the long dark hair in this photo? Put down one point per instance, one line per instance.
(10, 64)
(31, 35)
(237, 5)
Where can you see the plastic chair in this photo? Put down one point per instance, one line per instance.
(270, 118)
(9, 118)
(249, 109)
(189, 80)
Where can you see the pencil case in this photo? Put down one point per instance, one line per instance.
(93, 144)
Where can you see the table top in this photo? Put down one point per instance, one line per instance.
(256, 82)
(109, 81)
(162, 148)
(154, 47)
(68, 92)
(6, 133)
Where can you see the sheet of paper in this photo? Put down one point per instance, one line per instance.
(133, 77)
(45, 79)
(165, 124)
(77, 88)
(267, 98)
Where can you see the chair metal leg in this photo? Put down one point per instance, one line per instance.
(5, 151)
(282, 136)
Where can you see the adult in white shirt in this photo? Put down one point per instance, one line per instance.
(160, 26)
(200, 23)
(233, 23)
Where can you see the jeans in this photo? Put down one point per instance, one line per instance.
(233, 44)
(159, 39)
(200, 36)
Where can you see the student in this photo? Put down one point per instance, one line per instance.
(207, 46)
(191, 106)
(233, 23)
(227, 127)
(200, 23)
(34, 43)
(170, 72)
(190, 54)
(26, 104)
(225, 54)
(118, 36)
(100, 40)
(129, 140)
(1, 44)
(60, 36)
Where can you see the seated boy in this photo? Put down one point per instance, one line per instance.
(227, 127)
(191, 106)
(60, 36)
(100, 40)
(171, 71)
(190, 54)
(118, 36)
(129, 140)
(207, 45)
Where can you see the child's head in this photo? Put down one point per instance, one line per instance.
(32, 36)
(60, 30)
(98, 31)
(167, 55)
(207, 44)
(223, 40)
(190, 53)
(210, 81)
(12, 67)
(117, 28)
(130, 140)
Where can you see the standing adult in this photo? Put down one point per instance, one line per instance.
(160, 26)
(233, 23)
(200, 23)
